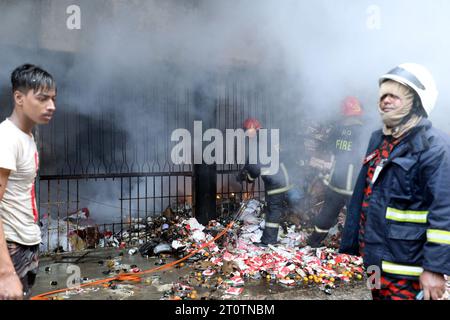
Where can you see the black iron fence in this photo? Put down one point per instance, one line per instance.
(113, 158)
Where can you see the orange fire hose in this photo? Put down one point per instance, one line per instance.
(136, 277)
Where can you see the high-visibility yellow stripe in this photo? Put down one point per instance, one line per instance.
(286, 179)
(279, 190)
(317, 229)
(401, 269)
(337, 190)
(348, 186)
(438, 236)
(272, 225)
(406, 215)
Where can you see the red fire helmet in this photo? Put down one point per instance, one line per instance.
(351, 107)
(252, 123)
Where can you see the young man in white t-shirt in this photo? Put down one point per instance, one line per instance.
(34, 93)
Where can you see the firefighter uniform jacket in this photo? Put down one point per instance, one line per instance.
(346, 145)
(407, 228)
(273, 183)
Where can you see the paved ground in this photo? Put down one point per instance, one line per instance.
(93, 265)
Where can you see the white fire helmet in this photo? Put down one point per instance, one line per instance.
(419, 79)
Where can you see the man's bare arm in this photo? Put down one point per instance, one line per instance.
(10, 286)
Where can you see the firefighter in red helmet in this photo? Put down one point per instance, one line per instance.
(278, 188)
(346, 150)
(252, 123)
(351, 107)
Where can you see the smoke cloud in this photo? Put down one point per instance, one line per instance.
(129, 73)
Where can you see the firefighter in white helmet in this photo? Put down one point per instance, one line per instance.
(399, 214)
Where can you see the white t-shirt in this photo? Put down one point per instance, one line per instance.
(18, 211)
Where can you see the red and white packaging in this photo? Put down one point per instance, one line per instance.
(216, 261)
(237, 281)
(209, 272)
(257, 261)
(228, 256)
(289, 282)
(234, 291)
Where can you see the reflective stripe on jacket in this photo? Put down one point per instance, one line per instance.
(408, 219)
(273, 183)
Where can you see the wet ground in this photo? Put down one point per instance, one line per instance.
(55, 271)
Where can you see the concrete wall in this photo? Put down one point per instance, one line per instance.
(159, 24)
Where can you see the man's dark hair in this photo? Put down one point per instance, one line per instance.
(30, 77)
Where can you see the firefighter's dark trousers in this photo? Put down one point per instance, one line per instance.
(334, 202)
(273, 216)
